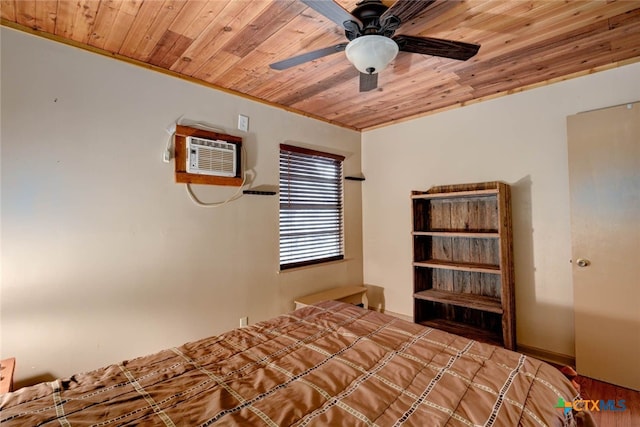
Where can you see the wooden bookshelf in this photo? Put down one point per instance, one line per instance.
(463, 261)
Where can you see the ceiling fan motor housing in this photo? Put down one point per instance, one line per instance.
(368, 13)
(370, 48)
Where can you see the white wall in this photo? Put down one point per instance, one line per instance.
(519, 139)
(104, 257)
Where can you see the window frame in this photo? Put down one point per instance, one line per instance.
(290, 152)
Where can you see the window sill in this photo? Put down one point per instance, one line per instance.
(311, 266)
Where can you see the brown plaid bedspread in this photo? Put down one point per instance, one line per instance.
(328, 365)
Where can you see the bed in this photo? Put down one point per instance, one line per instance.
(330, 364)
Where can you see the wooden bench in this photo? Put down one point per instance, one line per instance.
(7, 366)
(349, 294)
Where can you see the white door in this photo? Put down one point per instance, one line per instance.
(604, 179)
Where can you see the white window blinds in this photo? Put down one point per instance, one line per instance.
(310, 207)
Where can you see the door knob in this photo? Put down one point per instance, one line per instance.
(582, 262)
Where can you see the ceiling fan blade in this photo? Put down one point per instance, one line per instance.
(306, 57)
(331, 10)
(405, 10)
(368, 82)
(437, 47)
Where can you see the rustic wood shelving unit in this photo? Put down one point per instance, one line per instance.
(463, 261)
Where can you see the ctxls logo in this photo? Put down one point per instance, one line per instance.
(591, 405)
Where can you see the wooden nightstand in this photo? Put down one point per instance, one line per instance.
(349, 294)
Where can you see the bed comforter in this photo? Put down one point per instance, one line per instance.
(332, 364)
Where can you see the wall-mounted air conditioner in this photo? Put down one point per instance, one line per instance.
(211, 157)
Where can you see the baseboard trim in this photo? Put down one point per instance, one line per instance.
(547, 356)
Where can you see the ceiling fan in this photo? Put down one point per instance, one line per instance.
(370, 29)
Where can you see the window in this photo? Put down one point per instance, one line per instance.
(310, 207)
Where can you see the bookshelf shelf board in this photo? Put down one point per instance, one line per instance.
(459, 233)
(460, 266)
(457, 194)
(478, 302)
(464, 329)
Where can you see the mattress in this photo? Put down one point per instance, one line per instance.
(331, 364)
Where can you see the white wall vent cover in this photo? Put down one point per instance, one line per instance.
(211, 157)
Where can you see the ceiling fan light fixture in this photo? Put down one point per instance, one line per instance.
(371, 54)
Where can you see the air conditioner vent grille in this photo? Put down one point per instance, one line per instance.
(211, 157)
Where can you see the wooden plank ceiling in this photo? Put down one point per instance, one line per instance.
(229, 44)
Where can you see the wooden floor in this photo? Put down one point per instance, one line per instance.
(598, 390)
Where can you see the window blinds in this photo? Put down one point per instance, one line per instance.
(310, 207)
